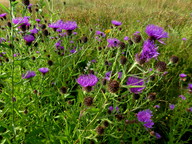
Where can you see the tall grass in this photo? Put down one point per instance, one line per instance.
(52, 108)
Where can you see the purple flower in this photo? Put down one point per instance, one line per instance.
(184, 39)
(3, 16)
(171, 106)
(56, 25)
(157, 135)
(156, 106)
(156, 33)
(116, 23)
(102, 34)
(134, 81)
(113, 42)
(144, 116)
(34, 31)
(29, 6)
(44, 70)
(21, 20)
(87, 80)
(37, 20)
(190, 86)
(148, 124)
(149, 51)
(28, 75)
(117, 108)
(182, 75)
(111, 108)
(29, 38)
(73, 51)
(126, 38)
(69, 25)
(182, 97)
(93, 61)
(74, 33)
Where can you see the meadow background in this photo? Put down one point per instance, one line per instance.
(38, 111)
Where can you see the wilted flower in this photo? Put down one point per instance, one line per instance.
(28, 75)
(113, 86)
(116, 23)
(134, 81)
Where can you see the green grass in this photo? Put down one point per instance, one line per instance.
(43, 114)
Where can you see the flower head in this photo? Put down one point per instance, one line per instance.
(44, 70)
(87, 80)
(56, 25)
(157, 135)
(111, 108)
(21, 20)
(149, 51)
(182, 75)
(69, 25)
(113, 42)
(156, 32)
(28, 75)
(134, 81)
(126, 38)
(99, 33)
(29, 38)
(145, 116)
(184, 39)
(3, 16)
(116, 23)
(34, 31)
(171, 106)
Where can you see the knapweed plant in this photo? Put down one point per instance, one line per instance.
(63, 82)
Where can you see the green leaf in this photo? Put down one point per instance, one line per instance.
(4, 8)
